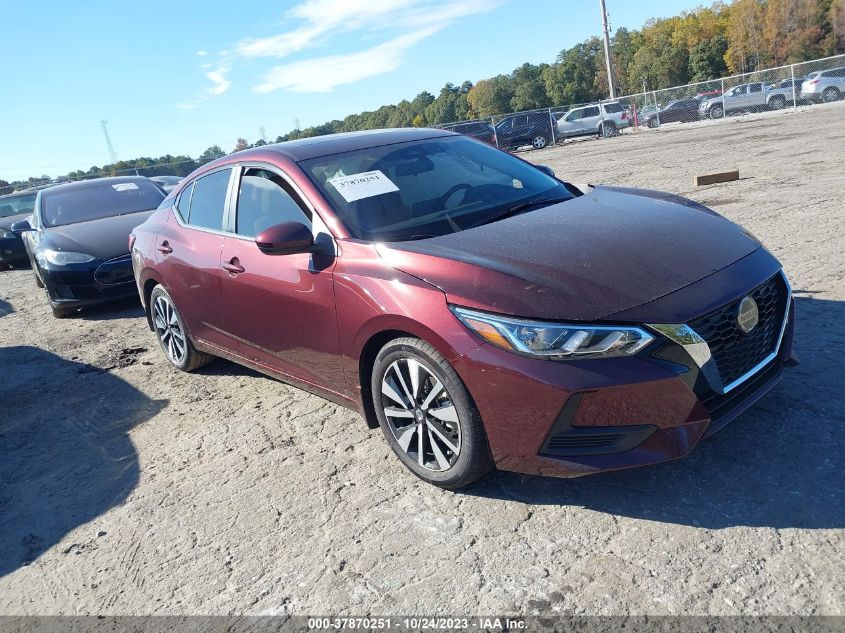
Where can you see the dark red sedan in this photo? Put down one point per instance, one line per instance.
(480, 311)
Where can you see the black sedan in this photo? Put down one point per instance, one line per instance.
(680, 110)
(528, 128)
(13, 207)
(78, 239)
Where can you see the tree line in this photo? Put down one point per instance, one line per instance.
(705, 43)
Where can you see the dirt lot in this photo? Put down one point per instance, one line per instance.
(129, 488)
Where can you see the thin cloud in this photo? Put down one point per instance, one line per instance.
(313, 23)
(325, 73)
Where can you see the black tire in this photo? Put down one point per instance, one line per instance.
(472, 460)
(172, 335)
(63, 313)
(777, 103)
(608, 129)
(653, 123)
(716, 112)
(539, 141)
(831, 94)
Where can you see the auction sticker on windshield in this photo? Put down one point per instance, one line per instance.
(364, 185)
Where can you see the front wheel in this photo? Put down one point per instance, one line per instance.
(172, 335)
(716, 112)
(653, 123)
(427, 415)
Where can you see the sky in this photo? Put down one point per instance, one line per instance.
(179, 76)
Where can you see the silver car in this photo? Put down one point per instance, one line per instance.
(602, 119)
(824, 85)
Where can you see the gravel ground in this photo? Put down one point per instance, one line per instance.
(129, 488)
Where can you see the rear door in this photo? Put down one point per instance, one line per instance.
(591, 120)
(756, 95)
(188, 254)
(280, 307)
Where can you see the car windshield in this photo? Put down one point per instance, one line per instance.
(16, 204)
(429, 188)
(98, 200)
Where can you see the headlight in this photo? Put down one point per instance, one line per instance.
(557, 341)
(60, 258)
(7, 235)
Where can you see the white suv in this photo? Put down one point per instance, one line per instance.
(603, 119)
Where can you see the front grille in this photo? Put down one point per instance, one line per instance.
(115, 271)
(734, 352)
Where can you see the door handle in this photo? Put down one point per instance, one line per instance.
(165, 248)
(234, 266)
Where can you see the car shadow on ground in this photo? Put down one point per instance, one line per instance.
(128, 308)
(5, 308)
(780, 465)
(65, 453)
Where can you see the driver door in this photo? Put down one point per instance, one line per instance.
(280, 307)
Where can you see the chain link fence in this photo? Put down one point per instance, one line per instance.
(167, 171)
(787, 87)
(776, 89)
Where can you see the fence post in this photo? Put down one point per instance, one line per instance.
(552, 123)
(495, 136)
(794, 100)
(656, 107)
(724, 114)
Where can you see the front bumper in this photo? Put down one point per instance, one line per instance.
(78, 285)
(576, 418)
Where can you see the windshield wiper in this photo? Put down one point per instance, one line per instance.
(517, 209)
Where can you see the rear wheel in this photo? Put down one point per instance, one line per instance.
(608, 129)
(777, 103)
(831, 94)
(427, 415)
(171, 334)
(539, 142)
(653, 123)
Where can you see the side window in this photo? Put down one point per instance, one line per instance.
(591, 111)
(209, 200)
(264, 200)
(574, 115)
(839, 72)
(741, 90)
(183, 203)
(756, 87)
(613, 107)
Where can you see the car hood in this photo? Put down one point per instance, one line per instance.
(584, 259)
(104, 238)
(7, 222)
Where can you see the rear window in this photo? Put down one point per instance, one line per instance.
(16, 204)
(97, 201)
(613, 107)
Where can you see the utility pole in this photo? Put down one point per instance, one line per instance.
(262, 134)
(112, 153)
(607, 58)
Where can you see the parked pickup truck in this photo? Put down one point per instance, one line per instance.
(746, 97)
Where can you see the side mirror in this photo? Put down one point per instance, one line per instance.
(21, 226)
(285, 239)
(546, 170)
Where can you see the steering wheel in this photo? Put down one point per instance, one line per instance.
(455, 189)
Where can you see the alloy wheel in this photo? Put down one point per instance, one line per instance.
(169, 329)
(539, 142)
(716, 113)
(830, 94)
(421, 414)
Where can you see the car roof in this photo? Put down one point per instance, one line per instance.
(326, 145)
(87, 184)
